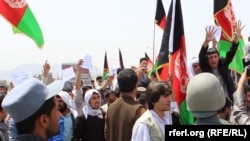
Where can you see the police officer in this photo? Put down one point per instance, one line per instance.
(205, 99)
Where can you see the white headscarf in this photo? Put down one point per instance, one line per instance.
(87, 109)
(194, 60)
(68, 101)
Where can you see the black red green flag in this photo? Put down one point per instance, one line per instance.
(162, 58)
(161, 66)
(150, 63)
(225, 18)
(105, 68)
(173, 43)
(121, 60)
(160, 16)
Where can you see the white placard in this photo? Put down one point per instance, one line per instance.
(87, 61)
(113, 71)
(19, 77)
(67, 74)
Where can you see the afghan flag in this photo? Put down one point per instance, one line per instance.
(120, 59)
(161, 66)
(174, 43)
(105, 68)
(160, 16)
(18, 13)
(225, 18)
(150, 63)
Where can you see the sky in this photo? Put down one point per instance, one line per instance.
(74, 28)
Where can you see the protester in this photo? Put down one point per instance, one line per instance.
(90, 125)
(151, 125)
(3, 87)
(142, 73)
(45, 74)
(68, 87)
(98, 82)
(4, 136)
(194, 67)
(93, 83)
(123, 113)
(210, 60)
(110, 96)
(247, 101)
(33, 107)
(104, 86)
(69, 114)
(141, 96)
(79, 93)
(239, 112)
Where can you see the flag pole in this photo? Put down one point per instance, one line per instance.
(154, 45)
(170, 74)
(170, 64)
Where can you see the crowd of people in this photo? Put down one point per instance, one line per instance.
(130, 105)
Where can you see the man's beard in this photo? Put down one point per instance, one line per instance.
(62, 108)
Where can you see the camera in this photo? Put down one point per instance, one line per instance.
(246, 64)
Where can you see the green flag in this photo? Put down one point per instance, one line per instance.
(236, 64)
(225, 18)
(22, 19)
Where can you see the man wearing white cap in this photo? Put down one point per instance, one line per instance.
(34, 108)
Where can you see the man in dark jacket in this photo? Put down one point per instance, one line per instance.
(210, 60)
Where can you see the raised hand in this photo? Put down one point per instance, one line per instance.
(46, 68)
(209, 35)
(237, 31)
(79, 63)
